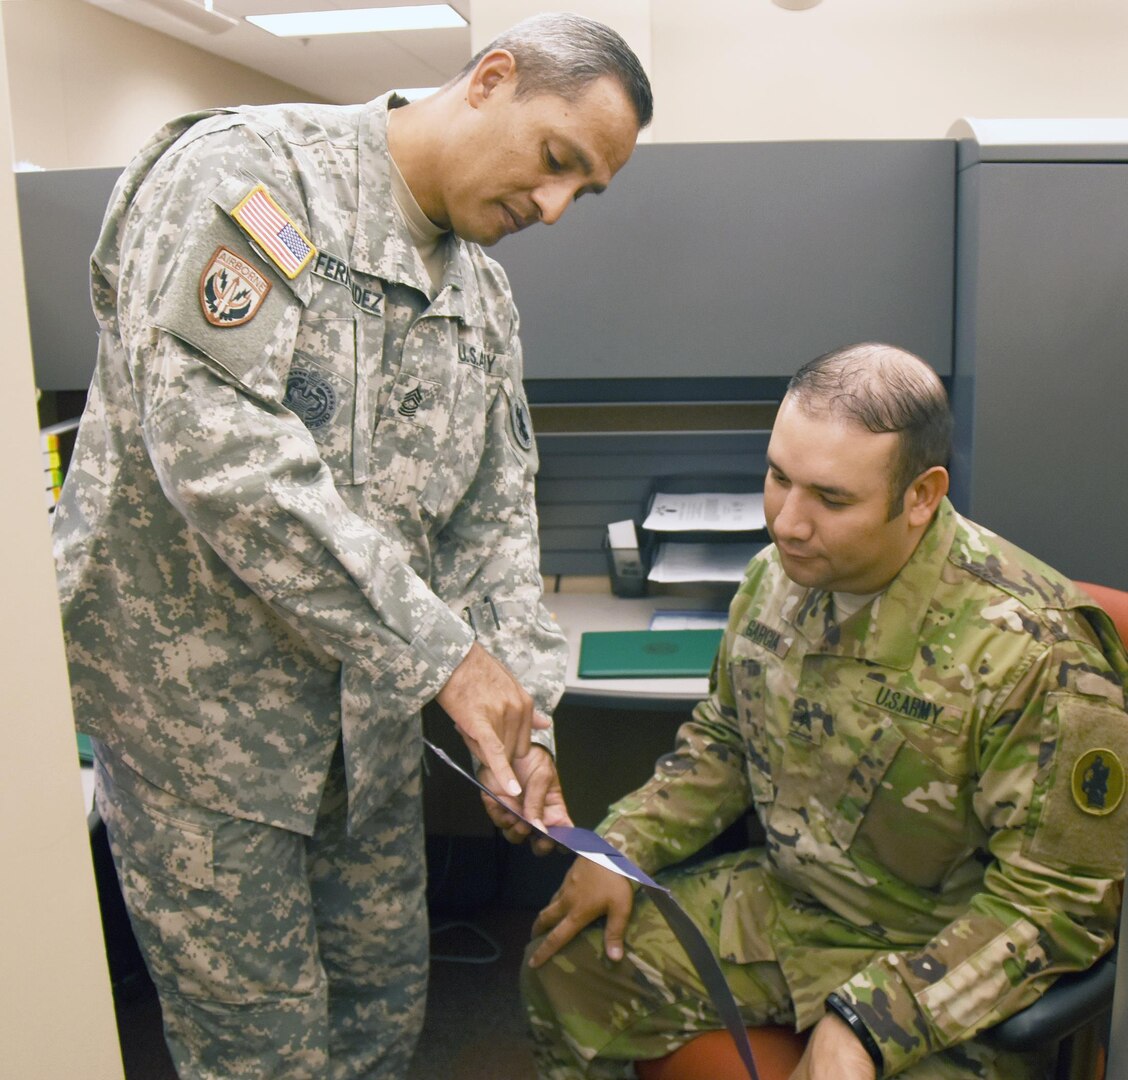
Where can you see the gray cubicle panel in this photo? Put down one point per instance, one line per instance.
(1041, 358)
(742, 259)
(60, 215)
(703, 260)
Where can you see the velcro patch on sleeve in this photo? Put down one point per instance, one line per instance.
(1083, 820)
(274, 231)
(217, 298)
(231, 289)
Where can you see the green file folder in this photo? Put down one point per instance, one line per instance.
(647, 654)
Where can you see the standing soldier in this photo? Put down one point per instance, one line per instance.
(301, 506)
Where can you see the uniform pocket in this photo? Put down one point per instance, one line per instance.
(748, 684)
(175, 850)
(918, 823)
(322, 391)
(411, 437)
(857, 761)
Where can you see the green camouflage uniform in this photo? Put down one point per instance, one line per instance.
(939, 782)
(300, 489)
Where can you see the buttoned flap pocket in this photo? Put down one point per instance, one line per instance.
(919, 823)
(169, 848)
(321, 390)
(1078, 812)
(748, 690)
(462, 453)
(411, 436)
(854, 763)
(747, 912)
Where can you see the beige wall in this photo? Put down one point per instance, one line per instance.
(88, 88)
(56, 1011)
(726, 70)
(883, 68)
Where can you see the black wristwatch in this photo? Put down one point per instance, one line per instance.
(845, 1011)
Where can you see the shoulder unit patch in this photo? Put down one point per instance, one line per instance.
(269, 226)
(1098, 781)
(231, 290)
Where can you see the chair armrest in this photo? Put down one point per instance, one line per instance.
(1069, 1004)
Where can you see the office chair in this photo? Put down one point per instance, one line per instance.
(1067, 1023)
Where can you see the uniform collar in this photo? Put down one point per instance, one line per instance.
(382, 245)
(887, 630)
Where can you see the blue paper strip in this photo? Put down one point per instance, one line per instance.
(590, 845)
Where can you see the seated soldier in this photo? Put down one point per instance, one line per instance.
(930, 726)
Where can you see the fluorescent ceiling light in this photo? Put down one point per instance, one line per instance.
(359, 20)
(200, 14)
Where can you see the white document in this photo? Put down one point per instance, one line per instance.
(720, 512)
(678, 619)
(701, 562)
(621, 534)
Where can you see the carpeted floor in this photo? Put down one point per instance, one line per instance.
(474, 1027)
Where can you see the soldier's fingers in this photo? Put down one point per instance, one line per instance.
(548, 916)
(517, 832)
(487, 747)
(615, 930)
(536, 791)
(555, 940)
(499, 814)
(542, 845)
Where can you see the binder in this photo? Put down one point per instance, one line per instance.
(643, 654)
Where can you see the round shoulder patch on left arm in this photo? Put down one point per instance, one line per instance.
(1098, 781)
(1081, 819)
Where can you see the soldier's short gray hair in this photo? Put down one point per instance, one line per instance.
(560, 53)
(884, 389)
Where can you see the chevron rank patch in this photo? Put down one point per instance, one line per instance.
(269, 226)
(231, 290)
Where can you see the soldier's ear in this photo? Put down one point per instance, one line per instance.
(924, 495)
(494, 69)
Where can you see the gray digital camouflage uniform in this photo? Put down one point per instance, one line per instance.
(300, 491)
(939, 780)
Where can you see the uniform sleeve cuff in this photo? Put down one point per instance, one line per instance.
(545, 737)
(887, 1010)
(845, 1012)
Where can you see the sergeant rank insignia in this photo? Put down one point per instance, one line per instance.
(1098, 781)
(231, 290)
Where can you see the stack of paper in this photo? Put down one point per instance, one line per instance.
(720, 512)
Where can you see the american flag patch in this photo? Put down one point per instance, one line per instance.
(268, 226)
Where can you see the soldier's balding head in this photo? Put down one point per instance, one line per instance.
(882, 388)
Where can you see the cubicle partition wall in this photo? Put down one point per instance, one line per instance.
(700, 281)
(1041, 356)
(661, 319)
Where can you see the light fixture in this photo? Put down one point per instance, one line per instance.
(359, 20)
(201, 15)
(796, 5)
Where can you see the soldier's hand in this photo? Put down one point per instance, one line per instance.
(541, 803)
(493, 713)
(834, 1053)
(589, 891)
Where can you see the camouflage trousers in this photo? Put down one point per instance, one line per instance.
(593, 1018)
(275, 954)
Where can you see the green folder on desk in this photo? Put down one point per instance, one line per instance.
(647, 654)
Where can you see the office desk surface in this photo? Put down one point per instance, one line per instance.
(577, 612)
